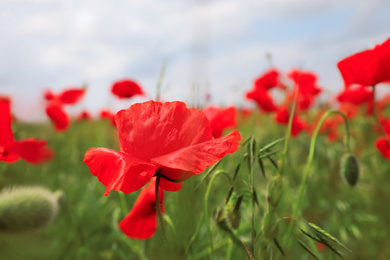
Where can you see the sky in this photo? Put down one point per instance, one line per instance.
(218, 45)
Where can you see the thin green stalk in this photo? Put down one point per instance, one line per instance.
(229, 249)
(122, 199)
(206, 209)
(283, 161)
(306, 172)
(158, 207)
(160, 80)
(252, 183)
(376, 113)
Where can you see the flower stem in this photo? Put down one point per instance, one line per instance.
(375, 112)
(159, 213)
(252, 183)
(283, 161)
(206, 209)
(306, 172)
(122, 199)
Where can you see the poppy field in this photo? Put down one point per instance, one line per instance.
(288, 178)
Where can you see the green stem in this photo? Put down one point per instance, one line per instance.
(206, 209)
(283, 161)
(252, 183)
(375, 112)
(122, 199)
(160, 80)
(158, 206)
(306, 172)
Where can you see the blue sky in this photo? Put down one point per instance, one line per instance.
(219, 44)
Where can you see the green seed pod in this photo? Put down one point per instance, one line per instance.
(350, 169)
(232, 210)
(275, 190)
(27, 208)
(270, 224)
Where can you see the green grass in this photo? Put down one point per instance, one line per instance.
(87, 224)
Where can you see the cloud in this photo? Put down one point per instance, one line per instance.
(221, 43)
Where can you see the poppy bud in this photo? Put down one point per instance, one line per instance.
(27, 208)
(350, 169)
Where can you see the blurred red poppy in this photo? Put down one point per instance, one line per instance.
(126, 89)
(382, 144)
(356, 96)
(282, 117)
(84, 116)
(57, 115)
(69, 96)
(220, 119)
(141, 222)
(262, 98)
(269, 79)
(107, 114)
(30, 150)
(168, 139)
(368, 67)
(320, 246)
(306, 82)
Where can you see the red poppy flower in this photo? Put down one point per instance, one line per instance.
(356, 96)
(57, 115)
(383, 147)
(84, 115)
(107, 114)
(69, 96)
(368, 67)
(30, 150)
(268, 80)
(306, 82)
(169, 139)
(141, 221)
(220, 119)
(126, 89)
(263, 99)
(298, 125)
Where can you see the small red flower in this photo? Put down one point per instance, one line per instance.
(69, 96)
(84, 115)
(368, 67)
(141, 221)
(220, 119)
(306, 82)
(383, 147)
(165, 138)
(107, 114)
(57, 115)
(126, 89)
(298, 125)
(30, 150)
(268, 80)
(356, 96)
(263, 99)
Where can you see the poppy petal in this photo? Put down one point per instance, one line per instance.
(118, 171)
(6, 135)
(58, 116)
(165, 128)
(32, 151)
(198, 157)
(141, 221)
(71, 96)
(126, 89)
